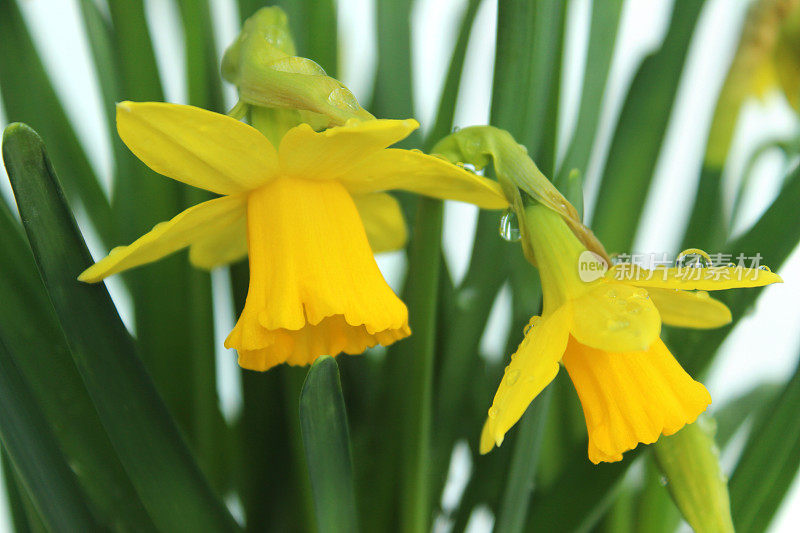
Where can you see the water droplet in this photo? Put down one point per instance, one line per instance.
(509, 226)
(641, 294)
(611, 293)
(703, 259)
(493, 412)
(456, 129)
(764, 268)
(342, 97)
(531, 323)
(513, 376)
(617, 325)
(663, 481)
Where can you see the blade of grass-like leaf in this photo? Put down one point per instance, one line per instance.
(392, 94)
(447, 101)
(597, 485)
(600, 50)
(323, 422)
(14, 495)
(33, 337)
(418, 354)
(736, 412)
(28, 96)
(37, 459)
(146, 439)
(522, 470)
(769, 462)
(774, 236)
(175, 345)
(640, 132)
(205, 90)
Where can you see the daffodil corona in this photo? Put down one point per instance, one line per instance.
(309, 215)
(606, 332)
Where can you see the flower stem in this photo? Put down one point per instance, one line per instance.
(421, 296)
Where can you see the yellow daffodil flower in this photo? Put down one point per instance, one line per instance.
(606, 332)
(309, 215)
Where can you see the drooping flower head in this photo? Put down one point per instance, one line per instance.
(605, 329)
(606, 333)
(309, 215)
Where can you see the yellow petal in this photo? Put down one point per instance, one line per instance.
(383, 220)
(532, 368)
(631, 397)
(203, 149)
(331, 153)
(423, 174)
(165, 238)
(689, 309)
(694, 278)
(616, 317)
(315, 288)
(221, 244)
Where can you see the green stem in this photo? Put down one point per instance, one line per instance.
(423, 275)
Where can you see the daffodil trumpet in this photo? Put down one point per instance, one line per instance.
(309, 215)
(606, 333)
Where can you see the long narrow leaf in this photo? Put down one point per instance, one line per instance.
(769, 462)
(30, 331)
(36, 456)
(28, 96)
(640, 132)
(148, 443)
(323, 421)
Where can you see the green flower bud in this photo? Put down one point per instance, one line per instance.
(689, 461)
(262, 64)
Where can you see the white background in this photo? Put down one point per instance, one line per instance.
(764, 345)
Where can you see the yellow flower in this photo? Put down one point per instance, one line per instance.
(309, 215)
(606, 332)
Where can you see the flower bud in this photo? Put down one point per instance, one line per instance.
(262, 64)
(689, 461)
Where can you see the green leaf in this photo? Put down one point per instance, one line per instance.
(28, 96)
(522, 470)
(600, 50)
(37, 459)
(392, 94)
(417, 353)
(30, 331)
(323, 421)
(447, 101)
(640, 132)
(732, 415)
(146, 439)
(175, 342)
(587, 490)
(769, 462)
(774, 237)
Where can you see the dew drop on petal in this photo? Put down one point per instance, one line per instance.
(513, 376)
(493, 412)
(509, 226)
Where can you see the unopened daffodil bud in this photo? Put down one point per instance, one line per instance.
(689, 462)
(263, 66)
